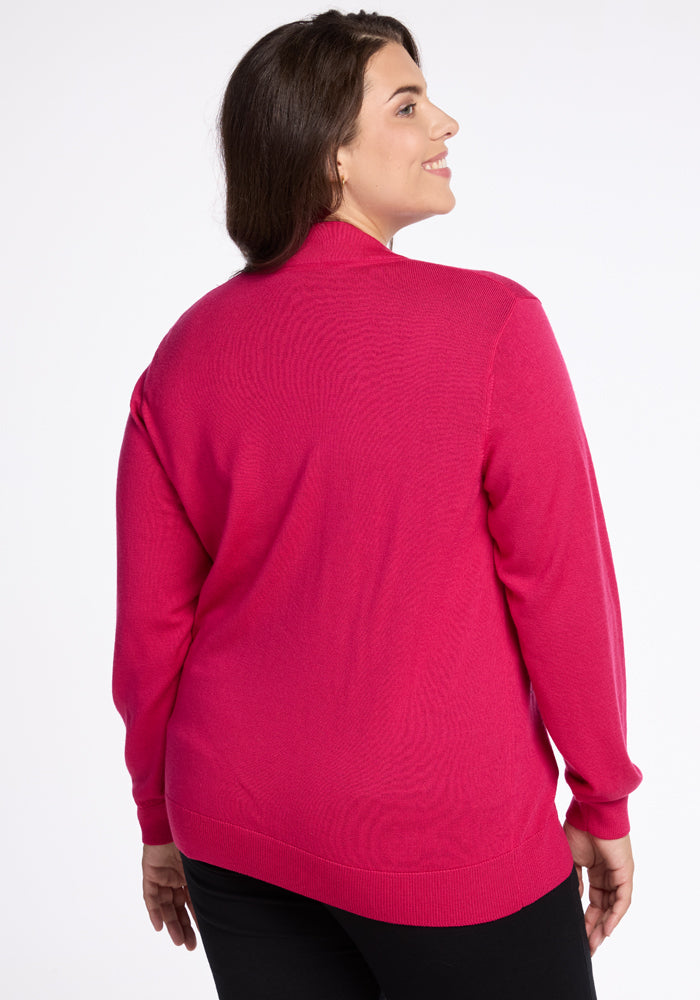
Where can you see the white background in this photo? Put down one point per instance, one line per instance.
(575, 171)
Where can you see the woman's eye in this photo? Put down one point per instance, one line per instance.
(406, 111)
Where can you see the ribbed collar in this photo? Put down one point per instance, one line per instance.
(335, 241)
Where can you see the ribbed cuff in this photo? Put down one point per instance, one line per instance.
(153, 818)
(607, 820)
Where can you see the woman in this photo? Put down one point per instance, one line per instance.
(362, 566)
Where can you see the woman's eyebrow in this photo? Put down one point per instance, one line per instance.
(410, 88)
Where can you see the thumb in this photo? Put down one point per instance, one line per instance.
(581, 846)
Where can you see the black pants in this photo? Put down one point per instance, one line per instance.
(266, 943)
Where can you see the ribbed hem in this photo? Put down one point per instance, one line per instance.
(606, 820)
(446, 898)
(155, 828)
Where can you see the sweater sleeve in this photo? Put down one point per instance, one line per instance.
(553, 557)
(161, 566)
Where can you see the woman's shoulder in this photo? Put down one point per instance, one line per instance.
(509, 285)
(472, 278)
(203, 321)
(478, 299)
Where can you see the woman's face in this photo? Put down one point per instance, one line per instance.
(389, 182)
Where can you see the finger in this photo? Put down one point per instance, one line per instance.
(167, 906)
(176, 931)
(156, 919)
(594, 926)
(176, 918)
(180, 929)
(596, 939)
(151, 896)
(600, 897)
(189, 936)
(622, 898)
(612, 902)
(168, 909)
(593, 917)
(160, 906)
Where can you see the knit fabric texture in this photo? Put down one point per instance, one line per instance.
(363, 577)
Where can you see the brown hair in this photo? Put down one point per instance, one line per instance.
(291, 102)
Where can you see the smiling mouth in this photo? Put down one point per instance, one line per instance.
(436, 164)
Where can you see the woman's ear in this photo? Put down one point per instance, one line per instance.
(335, 170)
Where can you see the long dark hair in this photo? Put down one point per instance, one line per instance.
(291, 102)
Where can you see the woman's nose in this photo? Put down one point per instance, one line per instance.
(444, 126)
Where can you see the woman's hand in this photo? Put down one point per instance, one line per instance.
(165, 893)
(610, 868)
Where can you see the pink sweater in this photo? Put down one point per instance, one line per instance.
(362, 564)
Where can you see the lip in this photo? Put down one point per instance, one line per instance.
(440, 156)
(442, 172)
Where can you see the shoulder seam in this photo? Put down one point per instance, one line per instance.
(503, 281)
(489, 376)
